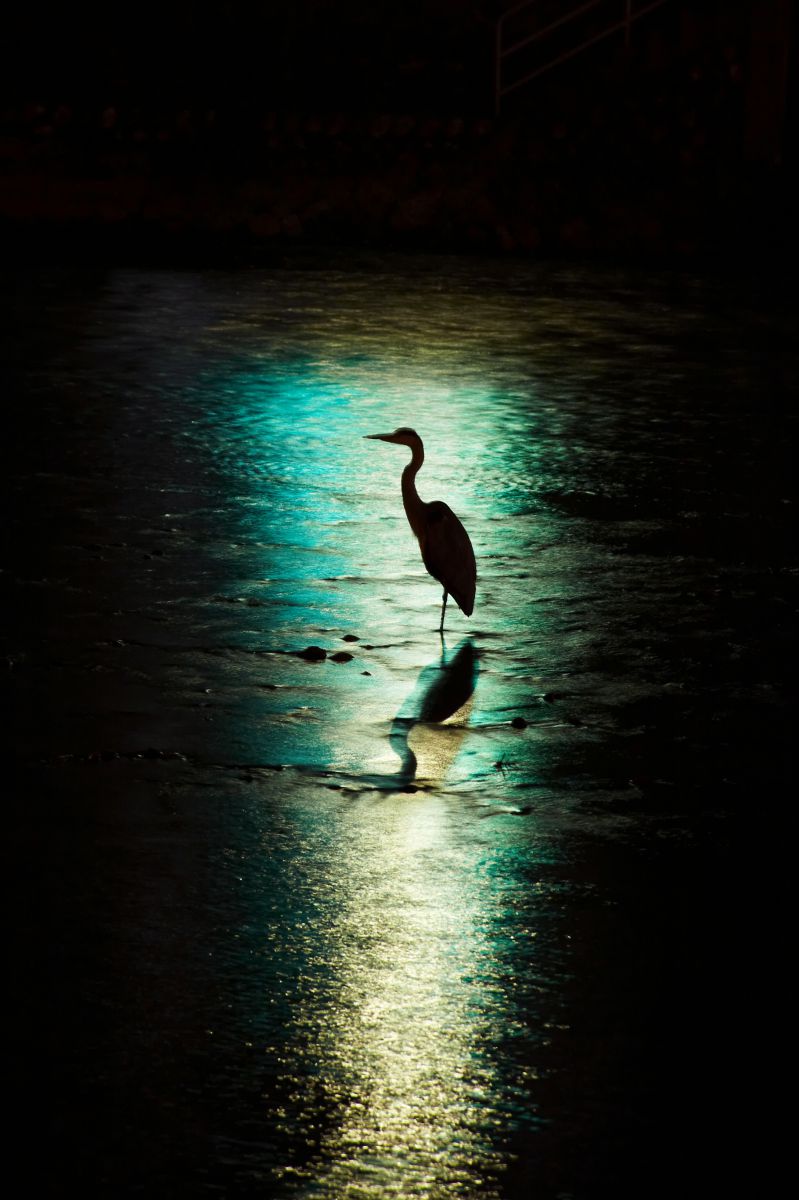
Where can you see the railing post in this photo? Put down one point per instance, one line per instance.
(498, 67)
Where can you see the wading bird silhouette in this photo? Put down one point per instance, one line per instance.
(446, 550)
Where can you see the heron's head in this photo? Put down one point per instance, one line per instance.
(402, 436)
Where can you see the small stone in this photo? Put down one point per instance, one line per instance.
(519, 723)
(341, 656)
(312, 653)
(350, 637)
(366, 672)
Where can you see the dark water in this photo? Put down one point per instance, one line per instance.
(340, 928)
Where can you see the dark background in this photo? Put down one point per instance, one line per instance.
(136, 132)
(312, 52)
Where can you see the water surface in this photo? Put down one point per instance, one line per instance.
(439, 920)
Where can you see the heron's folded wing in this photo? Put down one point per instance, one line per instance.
(448, 555)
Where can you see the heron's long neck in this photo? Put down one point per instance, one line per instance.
(414, 507)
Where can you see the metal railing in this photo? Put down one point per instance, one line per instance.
(504, 51)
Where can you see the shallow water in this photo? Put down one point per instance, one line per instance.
(342, 929)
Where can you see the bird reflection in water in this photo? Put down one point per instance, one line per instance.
(443, 689)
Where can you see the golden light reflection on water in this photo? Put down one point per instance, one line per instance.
(435, 747)
(406, 1034)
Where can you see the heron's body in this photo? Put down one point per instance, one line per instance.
(444, 544)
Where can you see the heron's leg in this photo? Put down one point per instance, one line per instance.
(443, 610)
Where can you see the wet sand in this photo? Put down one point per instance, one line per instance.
(428, 920)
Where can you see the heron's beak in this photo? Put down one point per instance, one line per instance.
(380, 437)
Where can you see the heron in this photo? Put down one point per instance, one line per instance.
(444, 544)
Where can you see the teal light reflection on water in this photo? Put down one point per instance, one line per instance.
(331, 554)
(291, 435)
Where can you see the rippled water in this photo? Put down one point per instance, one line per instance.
(433, 921)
